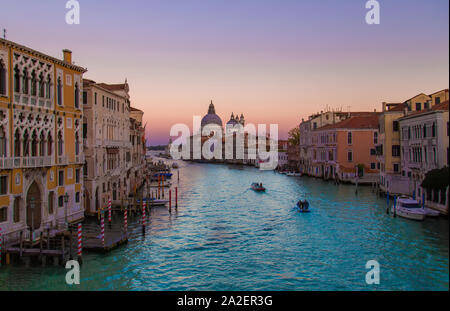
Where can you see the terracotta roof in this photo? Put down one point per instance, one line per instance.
(445, 90)
(399, 107)
(113, 87)
(441, 106)
(134, 109)
(357, 122)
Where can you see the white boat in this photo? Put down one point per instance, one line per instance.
(409, 208)
(293, 174)
(431, 212)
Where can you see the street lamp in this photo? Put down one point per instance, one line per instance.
(66, 200)
(32, 219)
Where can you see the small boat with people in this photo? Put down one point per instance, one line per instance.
(303, 206)
(258, 187)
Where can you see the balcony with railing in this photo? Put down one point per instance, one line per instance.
(79, 159)
(113, 143)
(63, 160)
(33, 101)
(25, 162)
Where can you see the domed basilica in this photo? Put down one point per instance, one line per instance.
(213, 118)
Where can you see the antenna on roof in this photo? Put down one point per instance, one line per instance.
(4, 33)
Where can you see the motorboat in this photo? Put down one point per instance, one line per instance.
(294, 174)
(431, 212)
(303, 206)
(408, 208)
(258, 187)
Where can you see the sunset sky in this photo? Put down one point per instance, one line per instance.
(275, 61)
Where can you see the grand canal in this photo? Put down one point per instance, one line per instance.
(226, 237)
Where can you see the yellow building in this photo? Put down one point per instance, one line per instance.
(389, 151)
(41, 156)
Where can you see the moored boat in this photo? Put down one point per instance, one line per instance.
(408, 208)
(166, 175)
(294, 174)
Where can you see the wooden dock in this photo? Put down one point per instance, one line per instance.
(112, 241)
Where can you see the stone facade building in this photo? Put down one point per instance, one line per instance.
(107, 145)
(41, 152)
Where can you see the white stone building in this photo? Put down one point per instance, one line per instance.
(424, 146)
(107, 146)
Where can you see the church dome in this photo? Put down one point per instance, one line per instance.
(211, 117)
(232, 121)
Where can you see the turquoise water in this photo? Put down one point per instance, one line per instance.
(227, 237)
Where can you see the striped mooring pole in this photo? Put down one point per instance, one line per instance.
(80, 243)
(125, 220)
(176, 197)
(102, 220)
(144, 205)
(109, 211)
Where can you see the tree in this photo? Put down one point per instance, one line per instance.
(436, 179)
(294, 136)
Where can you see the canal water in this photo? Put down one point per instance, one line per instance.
(224, 236)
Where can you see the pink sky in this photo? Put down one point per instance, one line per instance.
(273, 61)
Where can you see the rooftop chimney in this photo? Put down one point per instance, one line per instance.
(384, 106)
(67, 56)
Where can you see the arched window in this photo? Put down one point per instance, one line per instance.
(59, 91)
(17, 143)
(77, 96)
(433, 130)
(34, 144)
(16, 79)
(33, 84)
(49, 144)
(25, 80)
(2, 78)
(60, 144)
(3, 145)
(48, 87)
(26, 144)
(41, 85)
(42, 144)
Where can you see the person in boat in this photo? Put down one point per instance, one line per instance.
(305, 205)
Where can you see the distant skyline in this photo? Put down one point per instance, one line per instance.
(273, 61)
